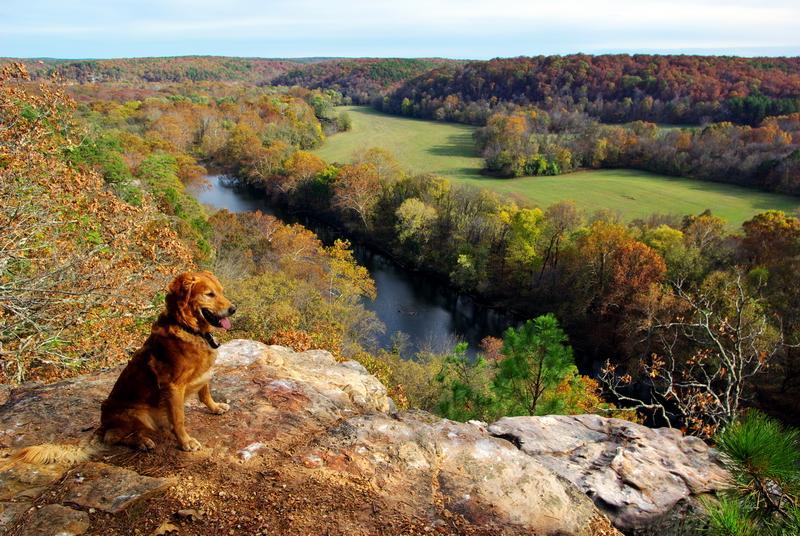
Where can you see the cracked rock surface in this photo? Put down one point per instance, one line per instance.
(643, 478)
(312, 446)
(421, 462)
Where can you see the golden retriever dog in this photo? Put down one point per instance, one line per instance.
(174, 363)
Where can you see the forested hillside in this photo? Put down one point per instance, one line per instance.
(79, 266)
(175, 69)
(360, 79)
(613, 88)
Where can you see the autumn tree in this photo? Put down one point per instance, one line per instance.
(300, 167)
(525, 227)
(771, 237)
(504, 144)
(79, 266)
(561, 220)
(684, 260)
(613, 267)
(770, 248)
(415, 219)
(357, 190)
(711, 344)
(384, 162)
(242, 150)
(347, 280)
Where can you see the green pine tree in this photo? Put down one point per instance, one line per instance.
(536, 360)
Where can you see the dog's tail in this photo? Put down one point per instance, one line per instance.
(50, 453)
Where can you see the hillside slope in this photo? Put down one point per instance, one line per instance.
(616, 88)
(360, 78)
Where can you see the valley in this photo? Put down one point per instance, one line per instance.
(447, 149)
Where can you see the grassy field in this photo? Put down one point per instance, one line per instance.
(446, 149)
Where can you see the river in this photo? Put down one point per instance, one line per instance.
(430, 313)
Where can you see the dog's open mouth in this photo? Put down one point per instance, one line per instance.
(215, 320)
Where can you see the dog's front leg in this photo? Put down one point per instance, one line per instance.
(217, 408)
(174, 401)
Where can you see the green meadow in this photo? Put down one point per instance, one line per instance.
(446, 149)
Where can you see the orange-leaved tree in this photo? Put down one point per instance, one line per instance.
(79, 267)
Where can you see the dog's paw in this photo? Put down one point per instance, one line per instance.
(221, 408)
(146, 444)
(190, 445)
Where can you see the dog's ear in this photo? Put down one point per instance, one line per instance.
(179, 293)
(211, 277)
(181, 287)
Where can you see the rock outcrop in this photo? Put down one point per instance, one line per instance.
(312, 446)
(644, 479)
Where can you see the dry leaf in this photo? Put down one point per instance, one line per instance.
(165, 528)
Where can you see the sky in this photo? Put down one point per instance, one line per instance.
(397, 28)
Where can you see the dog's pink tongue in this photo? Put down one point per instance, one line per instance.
(225, 323)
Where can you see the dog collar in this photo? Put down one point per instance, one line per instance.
(208, 337)
(212, 342)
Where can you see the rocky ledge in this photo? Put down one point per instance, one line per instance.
(312, 446)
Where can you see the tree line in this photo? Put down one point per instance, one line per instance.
(167, 69)
(535, 142)
(612, 88)
(359, 80)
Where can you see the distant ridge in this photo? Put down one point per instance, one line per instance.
(199, 68)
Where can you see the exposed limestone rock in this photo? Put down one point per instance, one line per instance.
(56, 520)
(109, 488)
(10, 512)
(343, 383)
(309, 447)
(25, 481)
(422, 461)
(640, 477)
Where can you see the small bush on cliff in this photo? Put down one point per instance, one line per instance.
(465, 386)
(764, 460)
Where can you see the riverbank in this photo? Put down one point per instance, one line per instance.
(432, 315)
